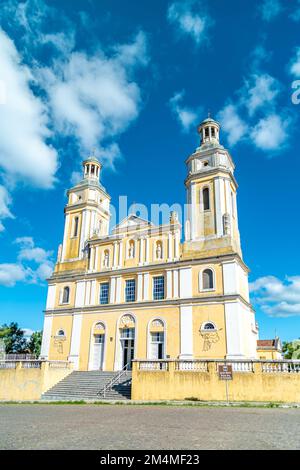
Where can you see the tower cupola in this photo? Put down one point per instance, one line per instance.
(91, 168)
(209, 130)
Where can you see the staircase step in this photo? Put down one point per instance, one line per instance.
(86, 385)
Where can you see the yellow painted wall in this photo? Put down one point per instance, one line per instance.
(72, 250)
(245, 386)
(218, 276)
(209, 344)
(110, 319)
(28, 384)
(60, 349)
(265, 354)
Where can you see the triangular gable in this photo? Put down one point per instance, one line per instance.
(132, 222)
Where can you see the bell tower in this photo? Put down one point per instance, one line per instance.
(87, 212)
(211, 219)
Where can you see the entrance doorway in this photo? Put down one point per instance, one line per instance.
(127, 346)
(98, 352)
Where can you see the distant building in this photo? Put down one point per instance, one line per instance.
(138, 291)
(269, 349)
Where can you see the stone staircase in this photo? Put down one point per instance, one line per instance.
(84, 385)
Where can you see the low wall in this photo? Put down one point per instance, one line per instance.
(269, 381)
(27, 380)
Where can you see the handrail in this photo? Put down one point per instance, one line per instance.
(114, 380)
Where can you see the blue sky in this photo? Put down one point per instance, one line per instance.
(133, 80)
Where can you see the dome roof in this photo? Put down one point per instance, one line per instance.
(209, 120)
(91, 159)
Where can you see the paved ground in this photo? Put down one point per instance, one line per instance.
(147, 427)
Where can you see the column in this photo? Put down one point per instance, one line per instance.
(120, 254)
(93, 293)
(147, 250)
(146, 286)
(186, 332)
(80, 293)
(112, 290)
(46, 337)
(91, 260)
(141, 254)
(169, 284)
(193, 212)
(185, 283)
(96, 263)
(234, 330)
(175, 283)
(177, 243)
(75, 340)
(219, 205)
(118, 289)
(170, 239)
(51, 297)
(139, 287)
(115, 255)
(67, 221)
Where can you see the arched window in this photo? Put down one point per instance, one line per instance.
(205, 194)
(208, 326)
(66, 295)
(157, 339)
(207, 279)
(60, 333)
(75, 231)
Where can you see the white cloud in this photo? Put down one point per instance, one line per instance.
(275, 297)
(24, 150)
(5, 202)
(190, 22)
(270, 9)
(34, 264)
(270, 133)
(185, 116)
(94, 98)
(295, 64)
(255, 117)
(260, 90)
(235, 128)
(11, 273)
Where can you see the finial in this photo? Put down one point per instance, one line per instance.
(92, 152)
(209, 113)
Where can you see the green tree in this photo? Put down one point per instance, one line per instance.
(35, 342)
(13, 338)
(291, 350)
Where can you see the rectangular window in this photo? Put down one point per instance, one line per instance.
(127, 333)
(75, 233)
(130, 290)
(158, 288)
(104, 293)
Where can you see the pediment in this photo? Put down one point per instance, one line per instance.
(132, 222)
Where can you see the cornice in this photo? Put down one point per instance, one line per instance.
(214, 171)
(166, 303)
(69, 276)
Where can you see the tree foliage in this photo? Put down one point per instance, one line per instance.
(35, 342)
(13, 338)
(291, 350)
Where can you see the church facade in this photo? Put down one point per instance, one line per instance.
(147, 291)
